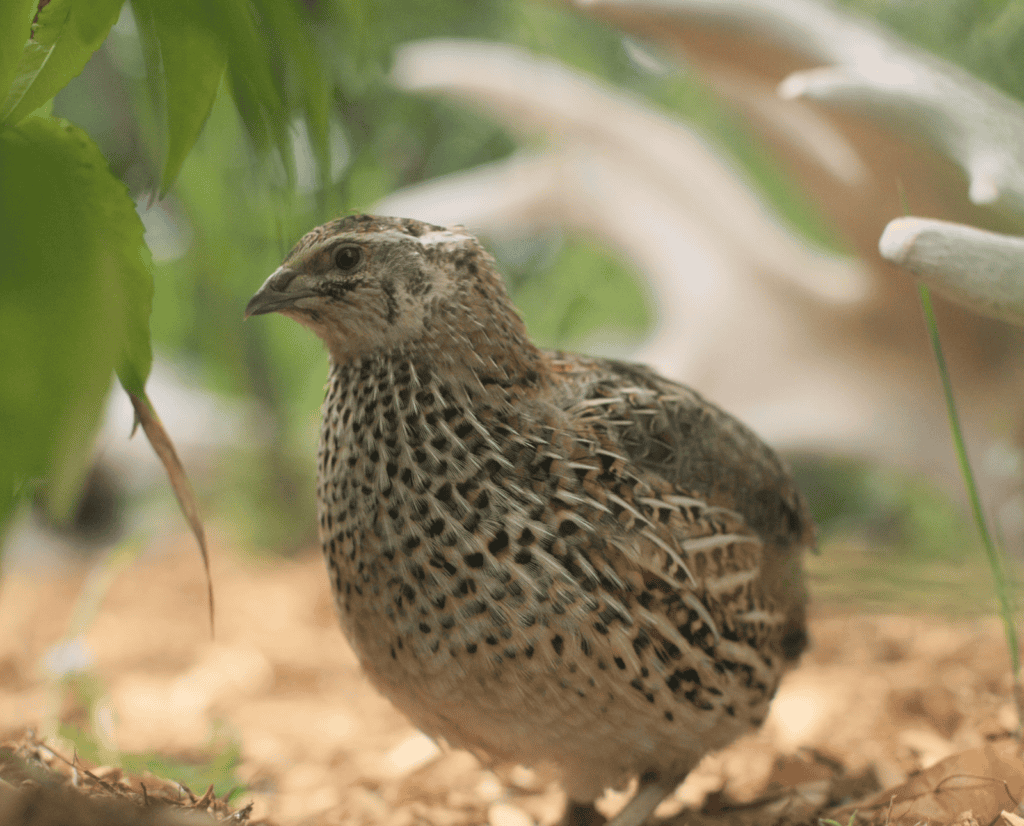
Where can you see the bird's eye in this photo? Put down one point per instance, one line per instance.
(347, 258)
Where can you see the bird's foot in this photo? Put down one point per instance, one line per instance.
(581, 814)
(653, 789)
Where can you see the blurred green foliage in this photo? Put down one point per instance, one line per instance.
(214, 767)
(886, 508)
(894, 542)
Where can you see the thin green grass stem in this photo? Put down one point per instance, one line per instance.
(995, 560)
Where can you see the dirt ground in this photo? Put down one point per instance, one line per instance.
(876, 699)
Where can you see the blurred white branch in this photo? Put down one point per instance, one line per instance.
(872, 71)
(979, 269)
(870, 68)
(599, 131)
(976, 125)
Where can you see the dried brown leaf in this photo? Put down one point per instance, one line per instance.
(186, 497)
(207, 799)
(977, 784)
(39, 786)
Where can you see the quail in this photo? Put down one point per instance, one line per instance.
(545, 558)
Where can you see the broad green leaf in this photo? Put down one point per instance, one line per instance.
(63, 40)
(311, 83)
(193, 60)
(74, 300)
(196, 40)
(136, 284)
(252, 64)
(44, 33)
(15, 24)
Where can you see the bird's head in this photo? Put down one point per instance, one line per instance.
(366, 283)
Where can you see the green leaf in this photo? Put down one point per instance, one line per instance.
(136, 284)
(194, 61)
(292, 27)
(74, 301)
(63, 39)
(15, 24)
(44, 34)
(251, 62)
(196, 40)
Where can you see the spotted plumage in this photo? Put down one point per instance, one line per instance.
(542, 557)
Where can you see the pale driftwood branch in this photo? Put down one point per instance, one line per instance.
(977, 126)
(870, 68)
(981, 270)
(611, 148)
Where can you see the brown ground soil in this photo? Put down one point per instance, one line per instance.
(876, 699)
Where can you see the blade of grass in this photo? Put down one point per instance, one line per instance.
(995, 559)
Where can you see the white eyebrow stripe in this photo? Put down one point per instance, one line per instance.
(435, 237)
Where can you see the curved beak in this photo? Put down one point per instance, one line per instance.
(279, 292)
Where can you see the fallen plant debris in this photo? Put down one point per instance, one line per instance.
(972, 786)
(39, 786)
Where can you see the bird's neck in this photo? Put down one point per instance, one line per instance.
(487, 345)
(484, 376)
(490, 361)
